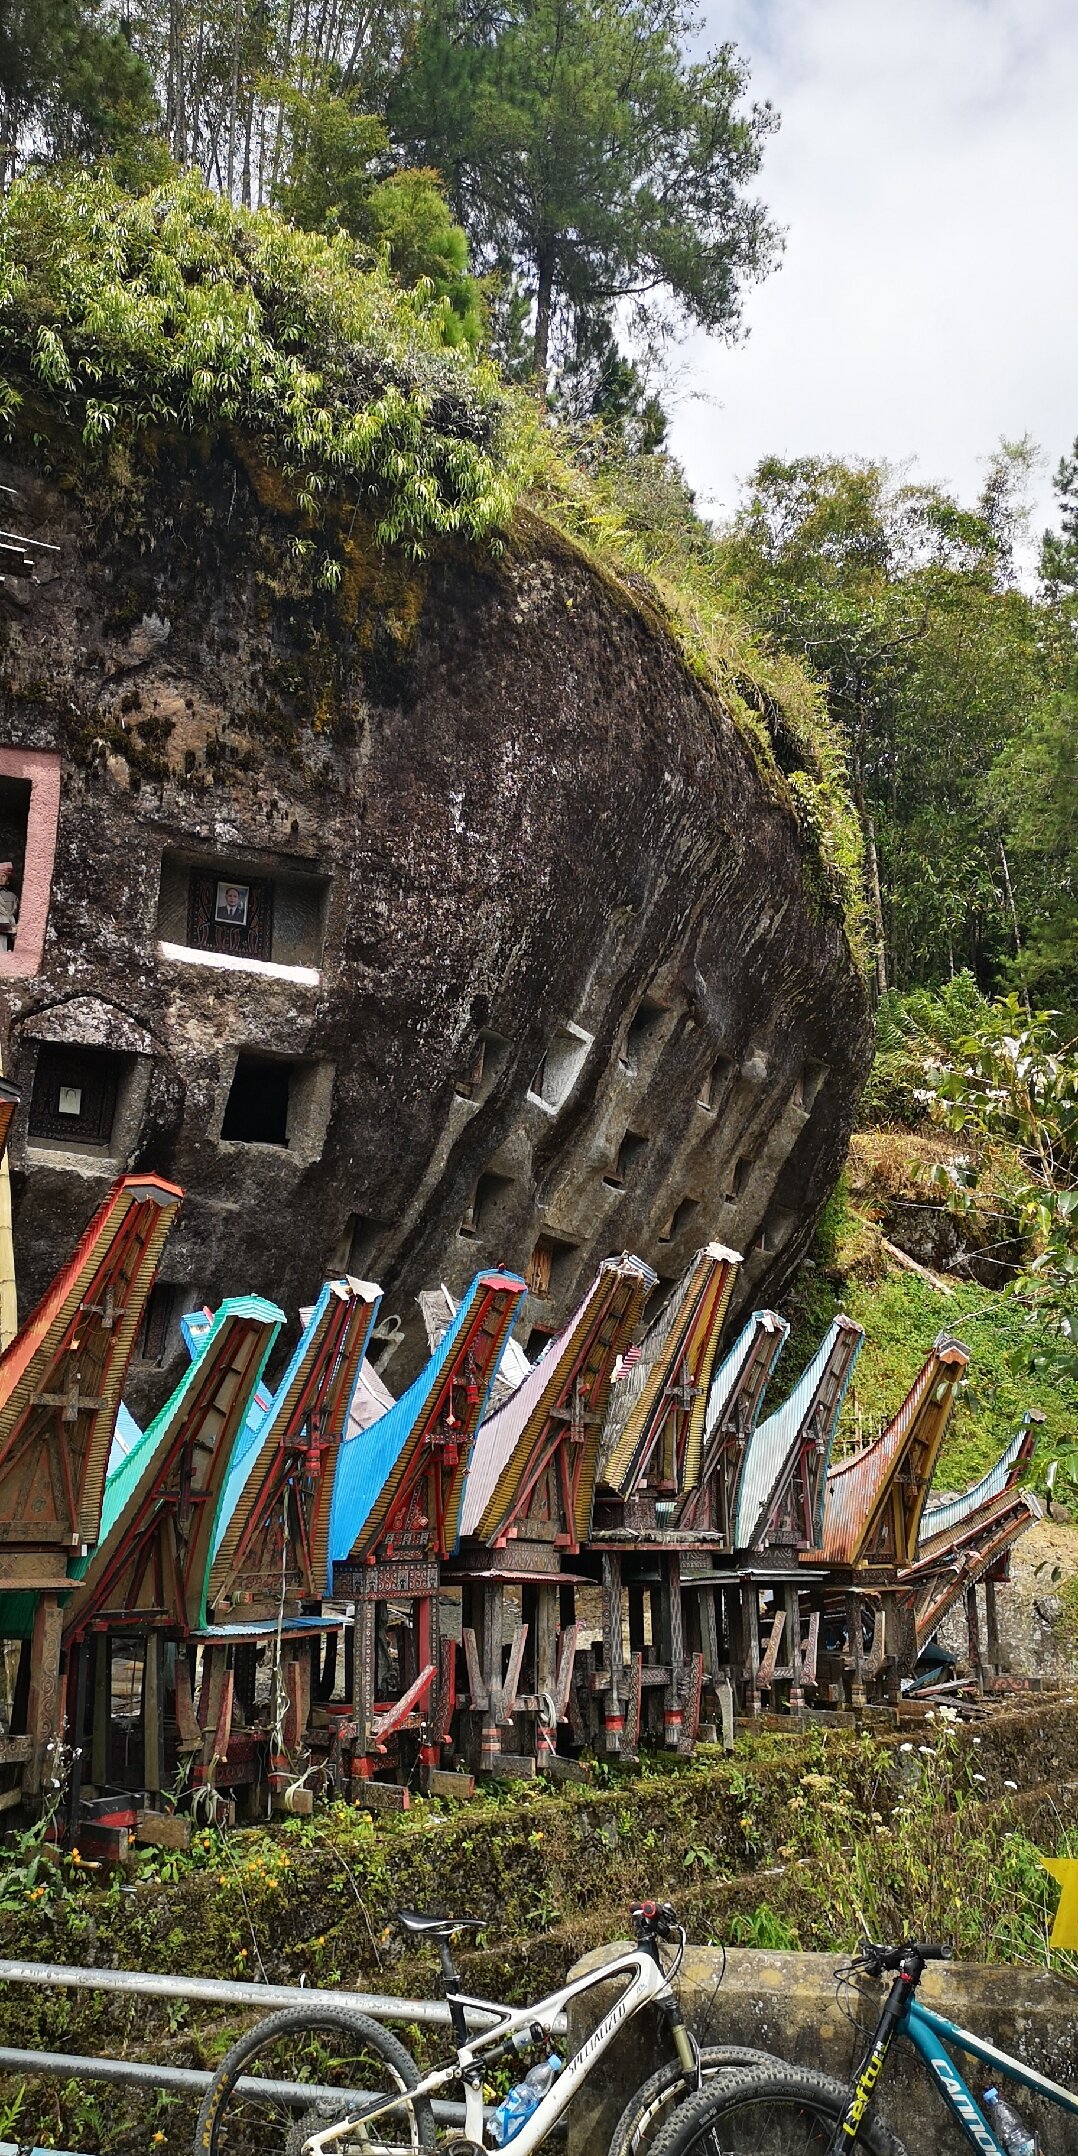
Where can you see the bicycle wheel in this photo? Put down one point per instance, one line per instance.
(305, 2069)
(792, 2112)
(647, 2112)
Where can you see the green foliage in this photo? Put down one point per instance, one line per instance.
(902, 1315)
(1031, 794)
(898, 598)
(340, 177)
(1013, 1079)
(122, 315)
(913, 1029)
(70, 83)
(584, 148)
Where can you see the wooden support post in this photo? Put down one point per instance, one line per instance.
(995, 1661)
(613, 1698)
(363, 1672)
(709, 1634)
(673, 1653)
(78, 1658)
(792, 1604)
(546, 1672)
(973, 1628)
(43, 1712)
(855, 1651)
(490, 1659)
(750, 1618)
(327, 1679)
(153, 1716)
(102, 1710)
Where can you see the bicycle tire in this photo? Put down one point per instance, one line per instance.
(234, 2122)
(792, 2112)
(648, 2110)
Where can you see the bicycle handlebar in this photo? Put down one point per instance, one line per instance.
(878, 1959)
(655, 1920)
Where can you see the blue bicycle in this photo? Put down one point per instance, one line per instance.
(793, 2111)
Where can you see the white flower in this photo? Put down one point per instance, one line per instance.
(976, 1740)
(978, 1778)
(926, 1749)
(1010, 1785)
(905, 1747)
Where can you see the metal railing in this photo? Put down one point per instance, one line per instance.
(210, 1991)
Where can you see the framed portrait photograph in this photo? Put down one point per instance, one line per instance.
(232, 901)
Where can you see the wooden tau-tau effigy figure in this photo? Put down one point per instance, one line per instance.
(966, 1542)
(269, 1559)
(873, 1501)
(395, 1520)
(778, 1519)
(60, 1385)
(649, 1683)
(526, 1520)
(144, 1584)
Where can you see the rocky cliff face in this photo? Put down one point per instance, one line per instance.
(534, 964)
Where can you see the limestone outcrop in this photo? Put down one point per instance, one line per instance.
(439, 918)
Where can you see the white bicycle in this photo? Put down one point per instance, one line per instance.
(331, 2082)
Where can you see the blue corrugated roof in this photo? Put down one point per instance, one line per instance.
(121, 1481)
(364, 1461)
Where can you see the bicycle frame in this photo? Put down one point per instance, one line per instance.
(930, 2033)
(645, 1983)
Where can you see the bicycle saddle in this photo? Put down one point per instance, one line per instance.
(419, 1926)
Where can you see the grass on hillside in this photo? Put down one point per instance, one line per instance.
(902, 1314)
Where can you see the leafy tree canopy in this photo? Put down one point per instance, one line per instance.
(341, 176)
(585, 151)
(901, 600)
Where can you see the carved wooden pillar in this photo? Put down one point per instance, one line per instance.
(490, 1651)
(613, 1657)
(996, 1661)
(792, 1603)
(43, 1714)
(363, 1682)
(673, 1652)
(153, 1715)
(855, 1651)
(973, 1628)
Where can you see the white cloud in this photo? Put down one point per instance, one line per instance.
(926, 171)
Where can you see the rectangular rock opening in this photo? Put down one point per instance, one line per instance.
(631, 1149)
(549, 1266)
(715, 1083)
(160, 1323)
(810, 1080)
(643, 1025)
(539, 1338)
(276, 1101)
(489, 1054)
(736, 1181)
(14, 825)
(679, 1220)
(561, 1066)
(75, 1095)
(483, 1205)
(222, 907)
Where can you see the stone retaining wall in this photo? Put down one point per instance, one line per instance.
(788, 2003)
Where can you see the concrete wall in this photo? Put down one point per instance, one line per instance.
(787, 2003)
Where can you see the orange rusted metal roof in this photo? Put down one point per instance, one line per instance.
(873, 1499)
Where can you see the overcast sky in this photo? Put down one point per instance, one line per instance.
(926, 171)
